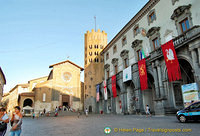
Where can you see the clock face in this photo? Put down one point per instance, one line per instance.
(67, 76)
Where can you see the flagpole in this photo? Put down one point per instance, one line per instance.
(95, 22)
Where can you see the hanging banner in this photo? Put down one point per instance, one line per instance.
(127, 74)
(114, 89)
(190, 93)
(105, 90)
(143, 74)
(171, 61)
(97, 92)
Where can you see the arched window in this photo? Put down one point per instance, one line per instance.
(90, 46)
(90, 53)
(44, 97)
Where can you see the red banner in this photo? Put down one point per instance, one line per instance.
(114, 89)
(143, 74)
(171, 61)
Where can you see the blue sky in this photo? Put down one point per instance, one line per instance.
(37, 33)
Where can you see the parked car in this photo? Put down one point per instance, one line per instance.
(192, 112)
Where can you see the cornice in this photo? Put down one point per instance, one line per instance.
(146, 8)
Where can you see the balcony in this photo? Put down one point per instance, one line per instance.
(179, 41)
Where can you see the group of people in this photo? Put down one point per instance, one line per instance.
(15, 121)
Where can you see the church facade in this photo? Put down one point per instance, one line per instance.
(62, 87)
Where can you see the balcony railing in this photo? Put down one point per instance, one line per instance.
(179, 41)
(190, 34)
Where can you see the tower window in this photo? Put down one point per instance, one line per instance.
(96, 60)
(90, 46)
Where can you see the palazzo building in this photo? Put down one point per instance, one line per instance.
(155, 24)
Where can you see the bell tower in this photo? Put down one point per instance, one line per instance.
(95, 41)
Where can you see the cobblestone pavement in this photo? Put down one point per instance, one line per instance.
(94, 126)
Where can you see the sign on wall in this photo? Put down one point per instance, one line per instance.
(190, 93)
(127, 74)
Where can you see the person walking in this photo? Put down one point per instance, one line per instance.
(86, 112)
(147, 111)
(56, 111)
(44, 111)
(4, 119)
(33, 115)
(16, 122)
(79, 113)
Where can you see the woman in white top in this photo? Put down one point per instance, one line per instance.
(4, 119)
(16, 122)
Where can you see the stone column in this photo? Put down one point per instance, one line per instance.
(162, 91)
(113, 105)
(199, 54)
(122, 101)
(156, 80)
(196, 67)
(125, 103)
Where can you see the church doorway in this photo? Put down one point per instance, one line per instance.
(28, 102)
(65, 100)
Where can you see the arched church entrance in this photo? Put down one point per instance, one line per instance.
(28, 102)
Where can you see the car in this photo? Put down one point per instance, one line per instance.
(192, 112)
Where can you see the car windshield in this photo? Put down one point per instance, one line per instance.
(194, 106)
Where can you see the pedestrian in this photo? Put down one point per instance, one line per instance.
(86, 112)
(79, 113)
(44, 111)
(16, 122)
(56, 111)
(147, 111)
(4, 119)
(37, 115)
(33, 115)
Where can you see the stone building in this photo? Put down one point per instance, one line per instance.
(2, 82)
(61, 88)
(95, 41)
(12, 98)
(155, 24)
